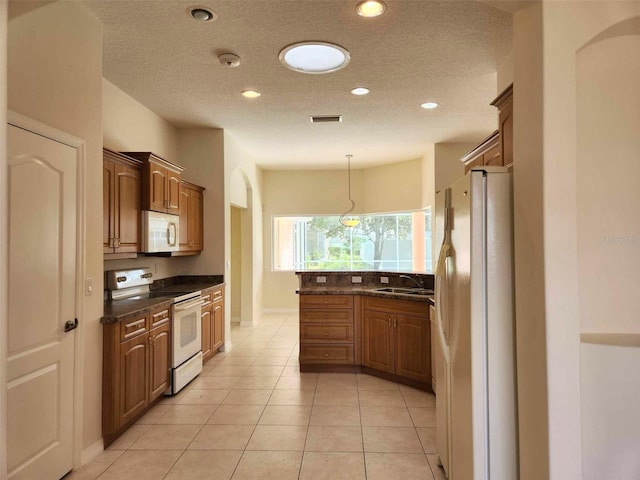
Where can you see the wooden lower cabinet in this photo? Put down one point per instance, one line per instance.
(136, 369)
(327, 331)
(378, 341)
(134, 394)
(411, 350)
(212, 321)
(159, 360)
(397, 338)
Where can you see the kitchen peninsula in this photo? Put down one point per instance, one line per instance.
(372, 322)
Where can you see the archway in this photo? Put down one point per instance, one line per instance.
(241, 279)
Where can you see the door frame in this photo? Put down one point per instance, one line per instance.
(34, 126)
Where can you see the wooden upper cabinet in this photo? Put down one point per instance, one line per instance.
(497, 148)
(191, 218)
(486, 153)
(160, 183)
(122, 182)
(504, 103)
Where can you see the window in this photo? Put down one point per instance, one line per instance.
(390, 242)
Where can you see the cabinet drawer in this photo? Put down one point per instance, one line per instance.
(206, 299)
(390, 305)
(320, 333)
(326, 316)
(159, 318)
(133, 328)
(326, 301)
(326, 354)
(217, 295)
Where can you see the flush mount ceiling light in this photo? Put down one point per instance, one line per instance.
(201, 14)
(346, 219)
(314, 57)
(370, 8)
(429, 105)
(360, 91)
(250, 94)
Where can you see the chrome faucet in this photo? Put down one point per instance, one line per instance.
(417, 280)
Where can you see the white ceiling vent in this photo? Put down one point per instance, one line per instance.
(326, 118)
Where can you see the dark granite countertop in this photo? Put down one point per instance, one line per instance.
(161, 296)
(370, 291)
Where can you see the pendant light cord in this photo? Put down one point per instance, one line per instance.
(353, 204)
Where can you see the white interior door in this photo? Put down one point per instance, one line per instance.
(42, 286)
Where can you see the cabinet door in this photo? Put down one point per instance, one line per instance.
(195, 220)
(108, 206)
(378, 341)
(173, 192)
(134, 392)
(207, 334)
(159, 360)
(412, 351)
(218, 325)
(157, 185)
(185, 193)
(127, 209)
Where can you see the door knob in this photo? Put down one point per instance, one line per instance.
(71, 325)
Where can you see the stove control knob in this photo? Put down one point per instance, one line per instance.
(121, 279)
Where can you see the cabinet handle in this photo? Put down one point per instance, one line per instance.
(395, 323)
(326, 354)
(326, 334)
(389, 322)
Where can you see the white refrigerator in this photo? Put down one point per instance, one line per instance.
(476, 407)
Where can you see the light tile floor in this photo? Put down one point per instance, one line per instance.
(252, 415)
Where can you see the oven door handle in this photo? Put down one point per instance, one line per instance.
(181, 307)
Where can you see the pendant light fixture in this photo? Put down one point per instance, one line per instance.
(346, 219)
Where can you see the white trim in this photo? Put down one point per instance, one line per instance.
(26, 123)
(235, 319)
(91, 452)
(267, 311)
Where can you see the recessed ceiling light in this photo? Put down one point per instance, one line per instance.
(370, 8)
(250, 94)
(314, 57)
(360, 91)
(201, 14)
(429, 105)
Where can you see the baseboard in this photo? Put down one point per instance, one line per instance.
(91, 452)
(235, 319)
(267, 311)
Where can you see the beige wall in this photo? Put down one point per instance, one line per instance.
(236, 262)
(547, 39)
(129, 126)
(55, 77)
(3, 234)
(447, 164)
(392, 188)
(238, 190)
(201, 153)
(608, 183)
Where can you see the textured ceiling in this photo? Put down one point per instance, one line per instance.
(417, 51)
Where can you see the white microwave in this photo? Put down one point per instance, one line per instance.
(160, 232)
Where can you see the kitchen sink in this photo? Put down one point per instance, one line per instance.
(405, 291)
